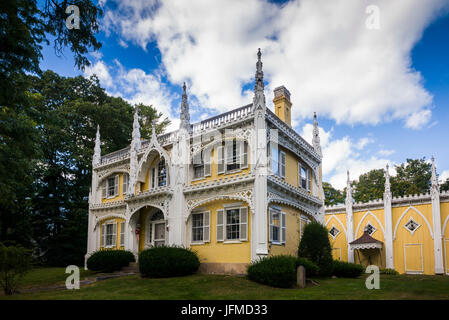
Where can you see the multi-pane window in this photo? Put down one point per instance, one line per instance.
(282, 164)
(232, 224)
(198, 165)
(161, 173)
(275, 160)
(305, 177)
(235, 158)
(197, 227)
(108, 234)
(277, 224)
(110, 187)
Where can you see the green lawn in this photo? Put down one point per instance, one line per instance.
(231, 287)
(48, 276)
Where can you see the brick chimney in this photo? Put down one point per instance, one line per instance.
(282, 104)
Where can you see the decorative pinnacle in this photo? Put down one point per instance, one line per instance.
(97, 150)
(136, 131)
(185, 114)
(259, 73)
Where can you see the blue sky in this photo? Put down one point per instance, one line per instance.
(381, 95)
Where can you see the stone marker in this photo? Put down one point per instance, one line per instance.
(301, 277)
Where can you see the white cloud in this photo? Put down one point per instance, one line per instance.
(418, 119)
(136, 86)
(101, 71)
(340, 155)
(385, 152)
(319, 49)
(444, 176)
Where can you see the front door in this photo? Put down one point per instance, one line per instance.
(158, 233)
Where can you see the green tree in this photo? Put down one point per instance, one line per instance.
(445, 185)
(315, 245)
(15, 261)
(24, 28)
(370, 186)
(412, 177)
(68, 111)
(332, 196)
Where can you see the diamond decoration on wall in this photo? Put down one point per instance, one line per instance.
(412, 225)
(334, 232)
(370, 228)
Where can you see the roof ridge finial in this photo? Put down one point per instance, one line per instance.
(316, 136)
(259, 85)
(185, 113)
(434, 174)
(97, 149)
(136, 130)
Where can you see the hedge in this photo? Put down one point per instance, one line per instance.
(347, 270)
(109, 260)
(168, 261)
(311, 268)
(276, 271)
(388, 271)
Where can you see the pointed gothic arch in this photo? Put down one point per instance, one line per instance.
(403, 215)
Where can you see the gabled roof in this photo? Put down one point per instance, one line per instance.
(366, 242)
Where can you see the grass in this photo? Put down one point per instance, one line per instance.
(231, 287)
(39, 277)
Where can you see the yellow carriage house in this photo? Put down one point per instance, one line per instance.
(409, 234)
(234, 187)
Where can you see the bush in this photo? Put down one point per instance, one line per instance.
(311, 268)
(276, 271)
(168, 261)
(388, 271)
(15, 261)
(347, 270)
(316, 247)
(109, 260)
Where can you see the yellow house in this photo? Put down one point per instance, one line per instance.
(234, 187)
(409, 234)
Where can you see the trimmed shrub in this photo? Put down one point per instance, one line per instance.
(168, 261)
(109, 260)
(276, 271)
(347, 270)
(15, 262)
(311, 268)
(388, 271)
(315, 246)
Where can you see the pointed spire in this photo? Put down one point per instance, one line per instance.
(387, 179)
(259, 96)
(97, 150)
(348, 189)
(135, 142)
(185, 113)
(316, 136)
(259, 86)
(434, 174)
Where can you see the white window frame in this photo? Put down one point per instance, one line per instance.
(205, 226)
(125, 183)
(222, 227)
(308, 177)
(161, 160)
(105, 234)
(282, 165)
(336, 235)
(122, 234)
(282, 226)
(106, 187)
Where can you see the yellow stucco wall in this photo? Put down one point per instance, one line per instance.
(292, 236)
(444, 211)
(292, 169)
(416, 250)
(221, 252)
(339, 244)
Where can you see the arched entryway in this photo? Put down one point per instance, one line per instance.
(147, 228)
